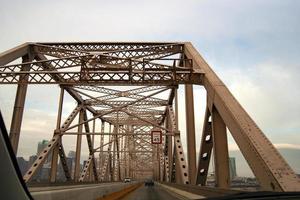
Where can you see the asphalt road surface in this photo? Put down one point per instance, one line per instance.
(149, 193)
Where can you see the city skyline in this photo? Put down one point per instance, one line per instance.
(242, 168)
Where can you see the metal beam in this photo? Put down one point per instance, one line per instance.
(78, 147)
(222, 178)
(55, 151)
(205, 150)
(38, 163)
(90, 145)
(17, 117)
(15, 53)
(190, 132)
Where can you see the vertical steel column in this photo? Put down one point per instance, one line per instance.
(176, 108)
(170, 149)
(190, 132)
(134, 157)
(116, 131)
(93, 139)
(122, 158)
(101, 160)
(127, 151)
(129, 140)
(177, 174)
(17, 117)
(78, 147)
(111, 140)
(57, 131)
(161, 160)
(220, 150)
(158, 164)
(177, 168)
(154, 164)
(118, 159)
(114, 155)
(167, 149)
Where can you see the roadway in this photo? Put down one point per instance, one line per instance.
(149, 193)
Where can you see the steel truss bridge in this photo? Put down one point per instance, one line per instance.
(150, 72)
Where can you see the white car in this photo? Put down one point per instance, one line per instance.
(127, 180)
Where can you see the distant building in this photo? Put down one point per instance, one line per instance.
(41, 146)
(32, 159)
(232, 168)
(61, 173)
(84, 163)
(42, 173)
(45, 172)
(30, 163)
(23, 165)
(72, 154)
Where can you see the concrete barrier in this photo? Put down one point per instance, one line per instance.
(78, 192)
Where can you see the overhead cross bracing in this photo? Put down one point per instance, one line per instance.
(143, 64)
(130, 89)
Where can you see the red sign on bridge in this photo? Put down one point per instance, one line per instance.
(156, 136)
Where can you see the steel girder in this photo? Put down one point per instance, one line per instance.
(134, 67)
(84, 70)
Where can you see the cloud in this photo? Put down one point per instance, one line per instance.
(268, 91)
(39, 125)
(234, 147)
(287, 146)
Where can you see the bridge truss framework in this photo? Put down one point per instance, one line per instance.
(86, 71)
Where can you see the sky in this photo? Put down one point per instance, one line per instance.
(252, 45)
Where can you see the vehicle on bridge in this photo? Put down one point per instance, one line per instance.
(127, 180)
(149, 182)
